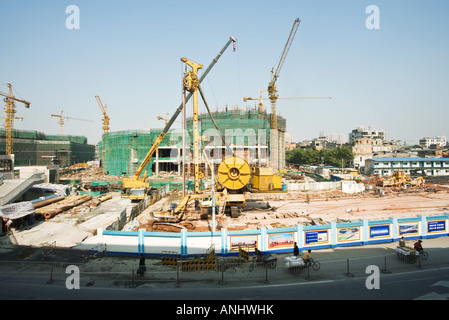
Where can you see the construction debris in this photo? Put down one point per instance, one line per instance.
(71, 204)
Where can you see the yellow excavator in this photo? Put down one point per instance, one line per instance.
(136, 181)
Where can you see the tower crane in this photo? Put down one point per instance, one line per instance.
(10, 111)
(162, 118)
(104, 110)
(272, 90)
(276, 157)
(61, 120)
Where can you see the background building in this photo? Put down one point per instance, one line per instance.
(420, 166)
(33, 148)
(367, 132)
(245, 131)
(439, 141)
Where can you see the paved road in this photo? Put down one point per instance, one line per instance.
(332, 282)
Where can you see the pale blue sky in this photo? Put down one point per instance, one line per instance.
(128, 52)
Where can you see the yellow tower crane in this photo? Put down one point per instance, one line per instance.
(61, 120)
(272, 90)
(104, 110)
(10, 111)
(165, 119)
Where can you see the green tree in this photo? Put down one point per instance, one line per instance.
(329, 157)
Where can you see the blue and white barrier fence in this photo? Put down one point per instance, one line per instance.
(280, 240)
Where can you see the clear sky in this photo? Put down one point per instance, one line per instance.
(128, 52)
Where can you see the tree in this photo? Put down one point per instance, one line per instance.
(330, 157)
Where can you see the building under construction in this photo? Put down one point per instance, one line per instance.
(245, 132)
(33, 148)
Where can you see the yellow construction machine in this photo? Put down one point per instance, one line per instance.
(265, 181)
(401, 179)
(137, 182)
(234, 175)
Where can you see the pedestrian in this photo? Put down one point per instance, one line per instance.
(295, 250)
(142, 267)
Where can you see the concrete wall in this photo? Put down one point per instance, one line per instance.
(313, 186)
(278, 240)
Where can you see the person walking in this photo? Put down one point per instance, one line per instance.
(142, 266)
(295, 250)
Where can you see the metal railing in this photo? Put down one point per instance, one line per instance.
(222, 272)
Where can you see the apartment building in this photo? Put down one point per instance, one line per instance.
(420, 166)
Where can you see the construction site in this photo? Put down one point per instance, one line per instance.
(223, 169)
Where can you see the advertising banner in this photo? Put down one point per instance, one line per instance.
(280, 240)
(438, 226)
(379, 231)
(316, 237)
(246, 242)
(408, 229)
(348, 234)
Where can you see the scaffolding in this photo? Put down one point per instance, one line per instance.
(33, 148)
(246, 131)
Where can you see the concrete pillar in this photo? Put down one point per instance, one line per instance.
(263, 239)
(224, 241)
(333, 235)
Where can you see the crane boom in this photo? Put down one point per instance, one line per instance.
(286, 48)
(61, 120)
(128, 182)
(272, 91)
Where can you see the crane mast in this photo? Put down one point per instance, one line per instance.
(104, 110)
(191, 84)
(10, 111)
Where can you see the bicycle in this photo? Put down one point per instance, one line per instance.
(424, 255)
(267, 261)
(314, 264)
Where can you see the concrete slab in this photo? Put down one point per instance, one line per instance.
(68, 230)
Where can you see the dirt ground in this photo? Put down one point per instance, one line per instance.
(277, 210)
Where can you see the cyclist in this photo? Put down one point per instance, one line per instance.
(307, 257)
(418, 247)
